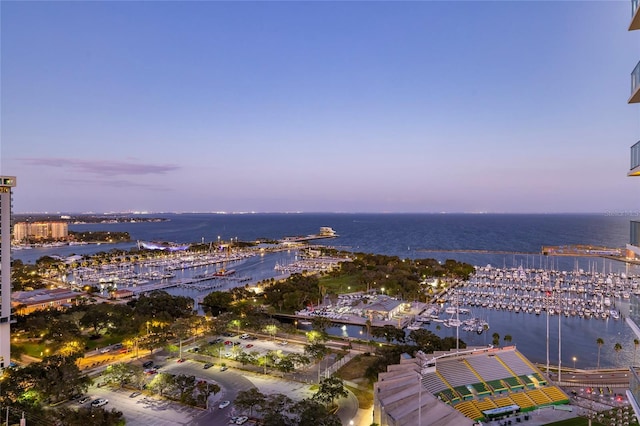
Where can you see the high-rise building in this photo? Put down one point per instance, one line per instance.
(633, 248)
(24, 231)
(6, 183)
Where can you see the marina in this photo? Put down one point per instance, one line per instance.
(402, 235)
(579, 293)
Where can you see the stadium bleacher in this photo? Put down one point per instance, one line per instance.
(490, 379)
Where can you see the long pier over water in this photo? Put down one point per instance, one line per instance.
(577, 250)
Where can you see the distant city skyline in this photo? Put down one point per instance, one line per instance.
(507, 107)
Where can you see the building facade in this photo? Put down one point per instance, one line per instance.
(7, 183)
(24, 231)
(633, 248)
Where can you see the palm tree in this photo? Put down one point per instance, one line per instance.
(496, 339)
(617, 347)
(507, 338)
(600, 342)
(636, 342)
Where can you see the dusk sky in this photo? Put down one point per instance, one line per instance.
(503, 106)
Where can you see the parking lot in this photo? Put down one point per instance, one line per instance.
(258, 345)
(142, 410)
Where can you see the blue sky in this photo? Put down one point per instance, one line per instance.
(319, 106)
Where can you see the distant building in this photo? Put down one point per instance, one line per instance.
(24, 231)
(25, 302)
(122, 294)
(6, 183)
(383, 308)
(633, 248)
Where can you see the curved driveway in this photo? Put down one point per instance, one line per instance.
(230, 383)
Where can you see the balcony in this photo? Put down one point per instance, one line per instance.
(635, 84)
(635, 15)
(635, 160)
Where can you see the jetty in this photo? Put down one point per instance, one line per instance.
(575, 250)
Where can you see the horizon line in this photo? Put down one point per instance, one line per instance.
(139, 213)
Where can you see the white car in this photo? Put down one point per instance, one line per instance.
(224, 404)
(100, 402)
(242, 420)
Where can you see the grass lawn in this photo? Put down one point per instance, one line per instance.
(355, 368)
(34, 349)
(365, 398)
(341, 284)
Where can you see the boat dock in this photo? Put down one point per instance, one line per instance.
(536, 291)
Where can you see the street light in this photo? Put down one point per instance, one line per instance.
(574, 362)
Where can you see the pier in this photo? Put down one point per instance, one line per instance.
(576, 250)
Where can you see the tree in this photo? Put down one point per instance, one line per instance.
(97, 318)
(636, 342)
(181, 329)
(161, 383)
(316, 351)
(185, 385)
(217, 302)
(88, 416)
(246, 400)
(56, 377)
(426, 340)
(121, 373)
(310, 412)
(320, 324)
(330, 389)
(496, 339)
(389, 333)
(247, 358)
(203, 390)
(507, 338)
(285, 365)
(617, 347)
(599, 342)
(275, 403)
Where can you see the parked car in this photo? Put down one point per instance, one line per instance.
(180, 360)
(224, 404)
(224, 368)
(100, 402)
(207, 366)
(150, 371)
(134, 394)
(244, 336)
(249, 346)
(84, 399)
(148, 364)
(228, 342)
(241, 420)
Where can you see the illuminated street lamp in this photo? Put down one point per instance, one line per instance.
(574, 362)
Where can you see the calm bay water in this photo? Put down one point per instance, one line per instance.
(409, 236)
